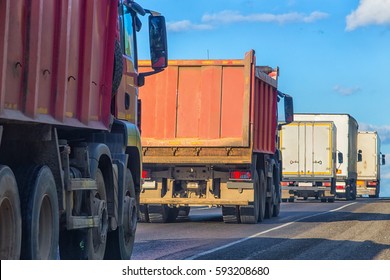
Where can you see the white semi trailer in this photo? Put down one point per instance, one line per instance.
(347, 131)
(368, 181)
(309, 160)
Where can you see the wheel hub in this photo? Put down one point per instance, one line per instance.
(100, 210)
(129, 215)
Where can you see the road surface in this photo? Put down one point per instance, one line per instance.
(304, 230)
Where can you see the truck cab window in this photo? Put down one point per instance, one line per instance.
(129, 34)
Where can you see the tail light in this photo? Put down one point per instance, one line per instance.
(284, 184)
(326, 184)
(339, 187)
(240, 175)
(372, 183)
(146, 174)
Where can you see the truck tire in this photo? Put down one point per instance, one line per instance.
(118, 68)
(278, 189)
(120, 242)
(40, 214)
(10, 216)
(269, 208)
(231, 214)
(184, 211)
(262, 196)
(143, 214)
(97, 236)
(158, 213)
(252, 214)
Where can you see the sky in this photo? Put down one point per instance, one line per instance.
(333, 55)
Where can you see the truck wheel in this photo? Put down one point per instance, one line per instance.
(262, 197)
(231, 214)
(10, 216)
(184, 211)
(173, 212)
(269, 208)
(40, 215)
(97, 236)
(143, 214)
(278, 191)
(120, 242)
(255, 213)
(158, 213)
(250, 214)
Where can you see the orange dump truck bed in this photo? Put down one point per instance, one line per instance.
(210, 104)
(56, 61)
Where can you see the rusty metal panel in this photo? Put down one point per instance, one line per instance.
(56, 61)
(196, 103)
(265, 114)
(216, 104)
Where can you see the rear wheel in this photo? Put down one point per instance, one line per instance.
(10, 216)
(158, 213)
(120, 242)
(250, 214)
(231, 214)
(262, 197)
(184, 211)
(143, 214)
(40, 215)
(269, 209)
(97, 236)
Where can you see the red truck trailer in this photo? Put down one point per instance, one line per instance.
(70, 149)
(209, 137)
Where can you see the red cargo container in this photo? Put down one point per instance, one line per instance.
(203, 103)
(57, 61)
(70, 154)
(199, 116)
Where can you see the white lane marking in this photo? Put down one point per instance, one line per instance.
(263, 232)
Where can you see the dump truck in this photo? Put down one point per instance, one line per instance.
(347, 131)
(308, 160)
(211, 139)
(368, 170)
(70, 148)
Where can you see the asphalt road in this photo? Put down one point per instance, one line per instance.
(304, 230)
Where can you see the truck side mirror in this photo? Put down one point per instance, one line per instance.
(360, 157)
(158, 42)
(383, 159)
(340, 157)
(288, 109)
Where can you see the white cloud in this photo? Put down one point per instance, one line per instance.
(209, 21)
(185, 25)
(346, 91)
(226, 17)
(369, 12)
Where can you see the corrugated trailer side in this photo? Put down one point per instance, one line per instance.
(209, 132)
(56, 61)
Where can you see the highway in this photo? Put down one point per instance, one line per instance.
(304, 230)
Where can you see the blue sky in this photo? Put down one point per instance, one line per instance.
(334, 56)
